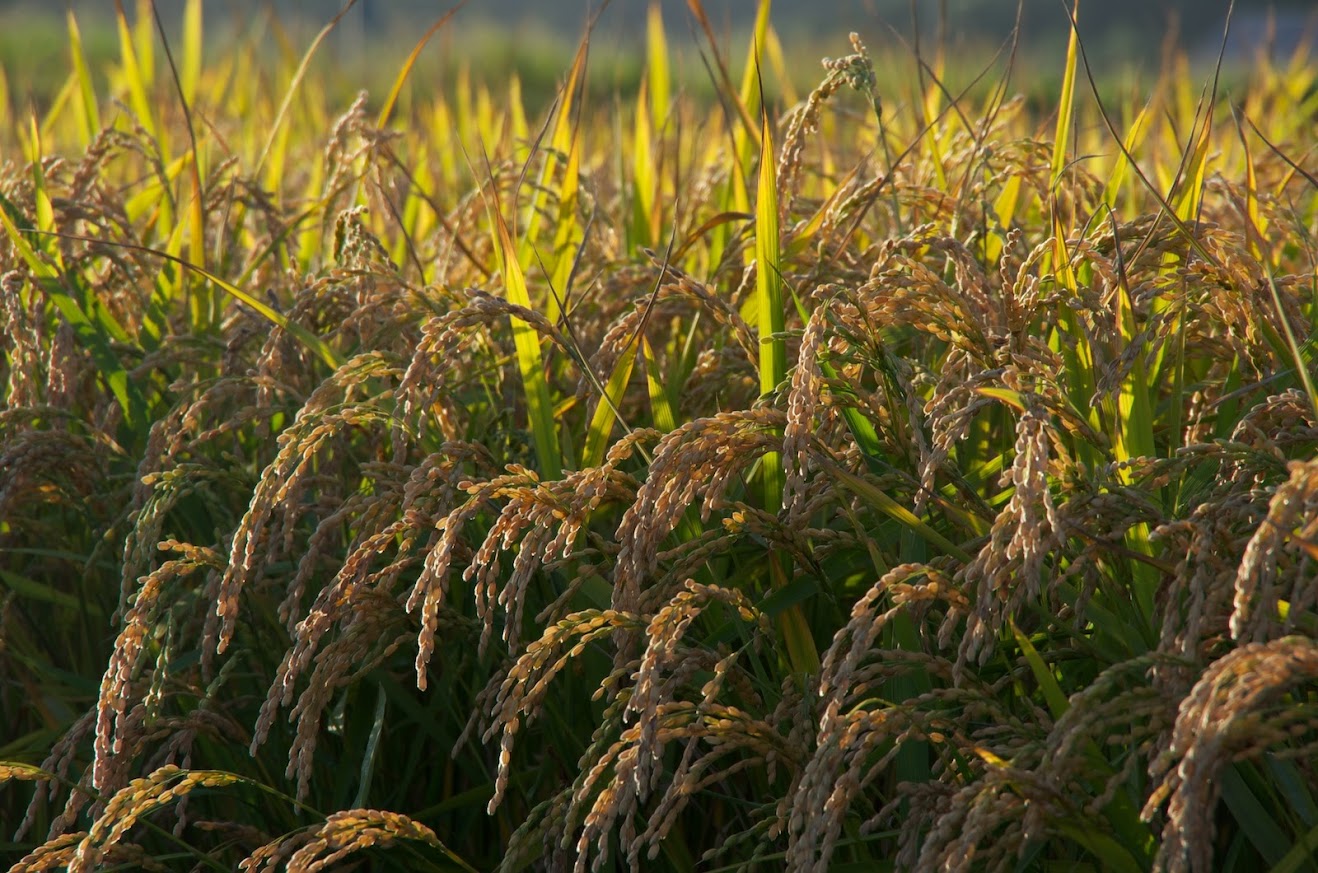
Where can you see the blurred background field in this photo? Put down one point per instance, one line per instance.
(495, 39)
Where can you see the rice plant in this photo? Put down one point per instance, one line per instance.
(898, 477)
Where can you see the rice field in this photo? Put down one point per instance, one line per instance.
(885, 474)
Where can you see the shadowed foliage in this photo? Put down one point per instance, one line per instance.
(882, 477)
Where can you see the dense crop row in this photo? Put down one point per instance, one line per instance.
(880, 478)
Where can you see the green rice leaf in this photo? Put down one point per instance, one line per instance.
(606, 412)
(540, 408)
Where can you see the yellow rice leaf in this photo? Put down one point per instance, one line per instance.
(135, 80)
(1065, 103)
(656, 63)
(193, 50)
(89, 119)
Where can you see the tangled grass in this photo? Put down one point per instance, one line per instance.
(935, 490)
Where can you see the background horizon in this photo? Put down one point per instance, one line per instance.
(497, 39)
(1119, 30)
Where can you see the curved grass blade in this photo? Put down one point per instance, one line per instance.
(894, 510)
(292, 87)
(388, 108)
(306, 337)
